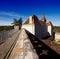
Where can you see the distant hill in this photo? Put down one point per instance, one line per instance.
(4, 28)
(57, 28)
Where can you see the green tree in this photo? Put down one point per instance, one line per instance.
(17, 22)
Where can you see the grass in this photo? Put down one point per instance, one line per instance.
(56, 28)
(57, 42)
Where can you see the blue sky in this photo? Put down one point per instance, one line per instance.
(10, 9)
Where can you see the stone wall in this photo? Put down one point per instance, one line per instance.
(16, 27)
(36, 29)
(29, 27)
(57, 36)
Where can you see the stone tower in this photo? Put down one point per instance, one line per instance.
(43, 18)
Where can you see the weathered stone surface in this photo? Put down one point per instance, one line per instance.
(23, 48)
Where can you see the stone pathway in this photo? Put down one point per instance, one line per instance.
(23, 48)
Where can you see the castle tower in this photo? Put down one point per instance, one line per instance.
(43, 18)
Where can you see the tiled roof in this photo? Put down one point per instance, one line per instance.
(52, 45)
(42, 23)
(34, 20)
(27, 21)
(49, 23)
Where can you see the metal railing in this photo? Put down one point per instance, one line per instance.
(5, 34)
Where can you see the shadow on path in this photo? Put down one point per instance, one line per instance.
(43, 51)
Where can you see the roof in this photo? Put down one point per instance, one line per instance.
(34, 20)
(27, 21)
(49, 23)
(52, 45)
(42, 23)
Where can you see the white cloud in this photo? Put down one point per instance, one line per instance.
(11, 14)
(5, 21)
(6, 18)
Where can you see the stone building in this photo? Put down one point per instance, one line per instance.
(37, 27)
(16, 27)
